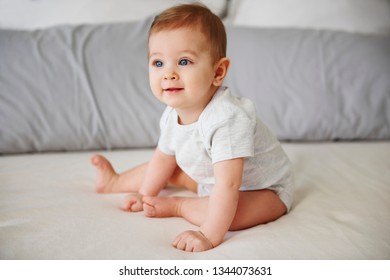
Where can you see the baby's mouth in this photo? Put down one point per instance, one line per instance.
(173, 90)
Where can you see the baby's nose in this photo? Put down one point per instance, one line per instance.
(171, 76)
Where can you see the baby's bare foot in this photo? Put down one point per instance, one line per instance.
(106, 175)
(160, 207)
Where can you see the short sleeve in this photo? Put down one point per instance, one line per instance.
(164, 142)
(233, 138)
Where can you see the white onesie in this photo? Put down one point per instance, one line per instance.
(228, 128)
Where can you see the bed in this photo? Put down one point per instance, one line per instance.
(69, 89)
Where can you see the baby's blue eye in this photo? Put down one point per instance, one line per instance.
(158, 63)
(184, 62)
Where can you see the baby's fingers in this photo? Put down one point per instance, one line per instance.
(132, 203)
(149, 210)
(181, 242)
(192, 241)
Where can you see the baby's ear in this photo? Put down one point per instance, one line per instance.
(220, 71)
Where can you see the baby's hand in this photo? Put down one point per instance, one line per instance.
(192, 241)
(132, 203)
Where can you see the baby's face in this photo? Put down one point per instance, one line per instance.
(181, 69)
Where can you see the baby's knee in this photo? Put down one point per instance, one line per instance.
(240, 221)
(256, 208)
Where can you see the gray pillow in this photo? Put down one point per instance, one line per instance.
(313, 85)
(86, 87)
(76, 88)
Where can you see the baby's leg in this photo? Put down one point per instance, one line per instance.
(108, 181)
(193, 209)
(254, 208)
(178, 179)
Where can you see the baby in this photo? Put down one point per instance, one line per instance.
(211, 142)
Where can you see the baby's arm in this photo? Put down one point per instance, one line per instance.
(158, 172)
(223, 199)
(222, 208)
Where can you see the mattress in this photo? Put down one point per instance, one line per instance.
(49, 210)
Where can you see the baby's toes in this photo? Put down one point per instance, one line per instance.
(97, 160)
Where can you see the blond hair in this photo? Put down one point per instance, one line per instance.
(197, 16)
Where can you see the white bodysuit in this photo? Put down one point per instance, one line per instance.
(228, 128)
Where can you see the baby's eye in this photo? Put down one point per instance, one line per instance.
(184, 62)
(158, 63)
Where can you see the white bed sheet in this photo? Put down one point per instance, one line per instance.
(49, 210)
